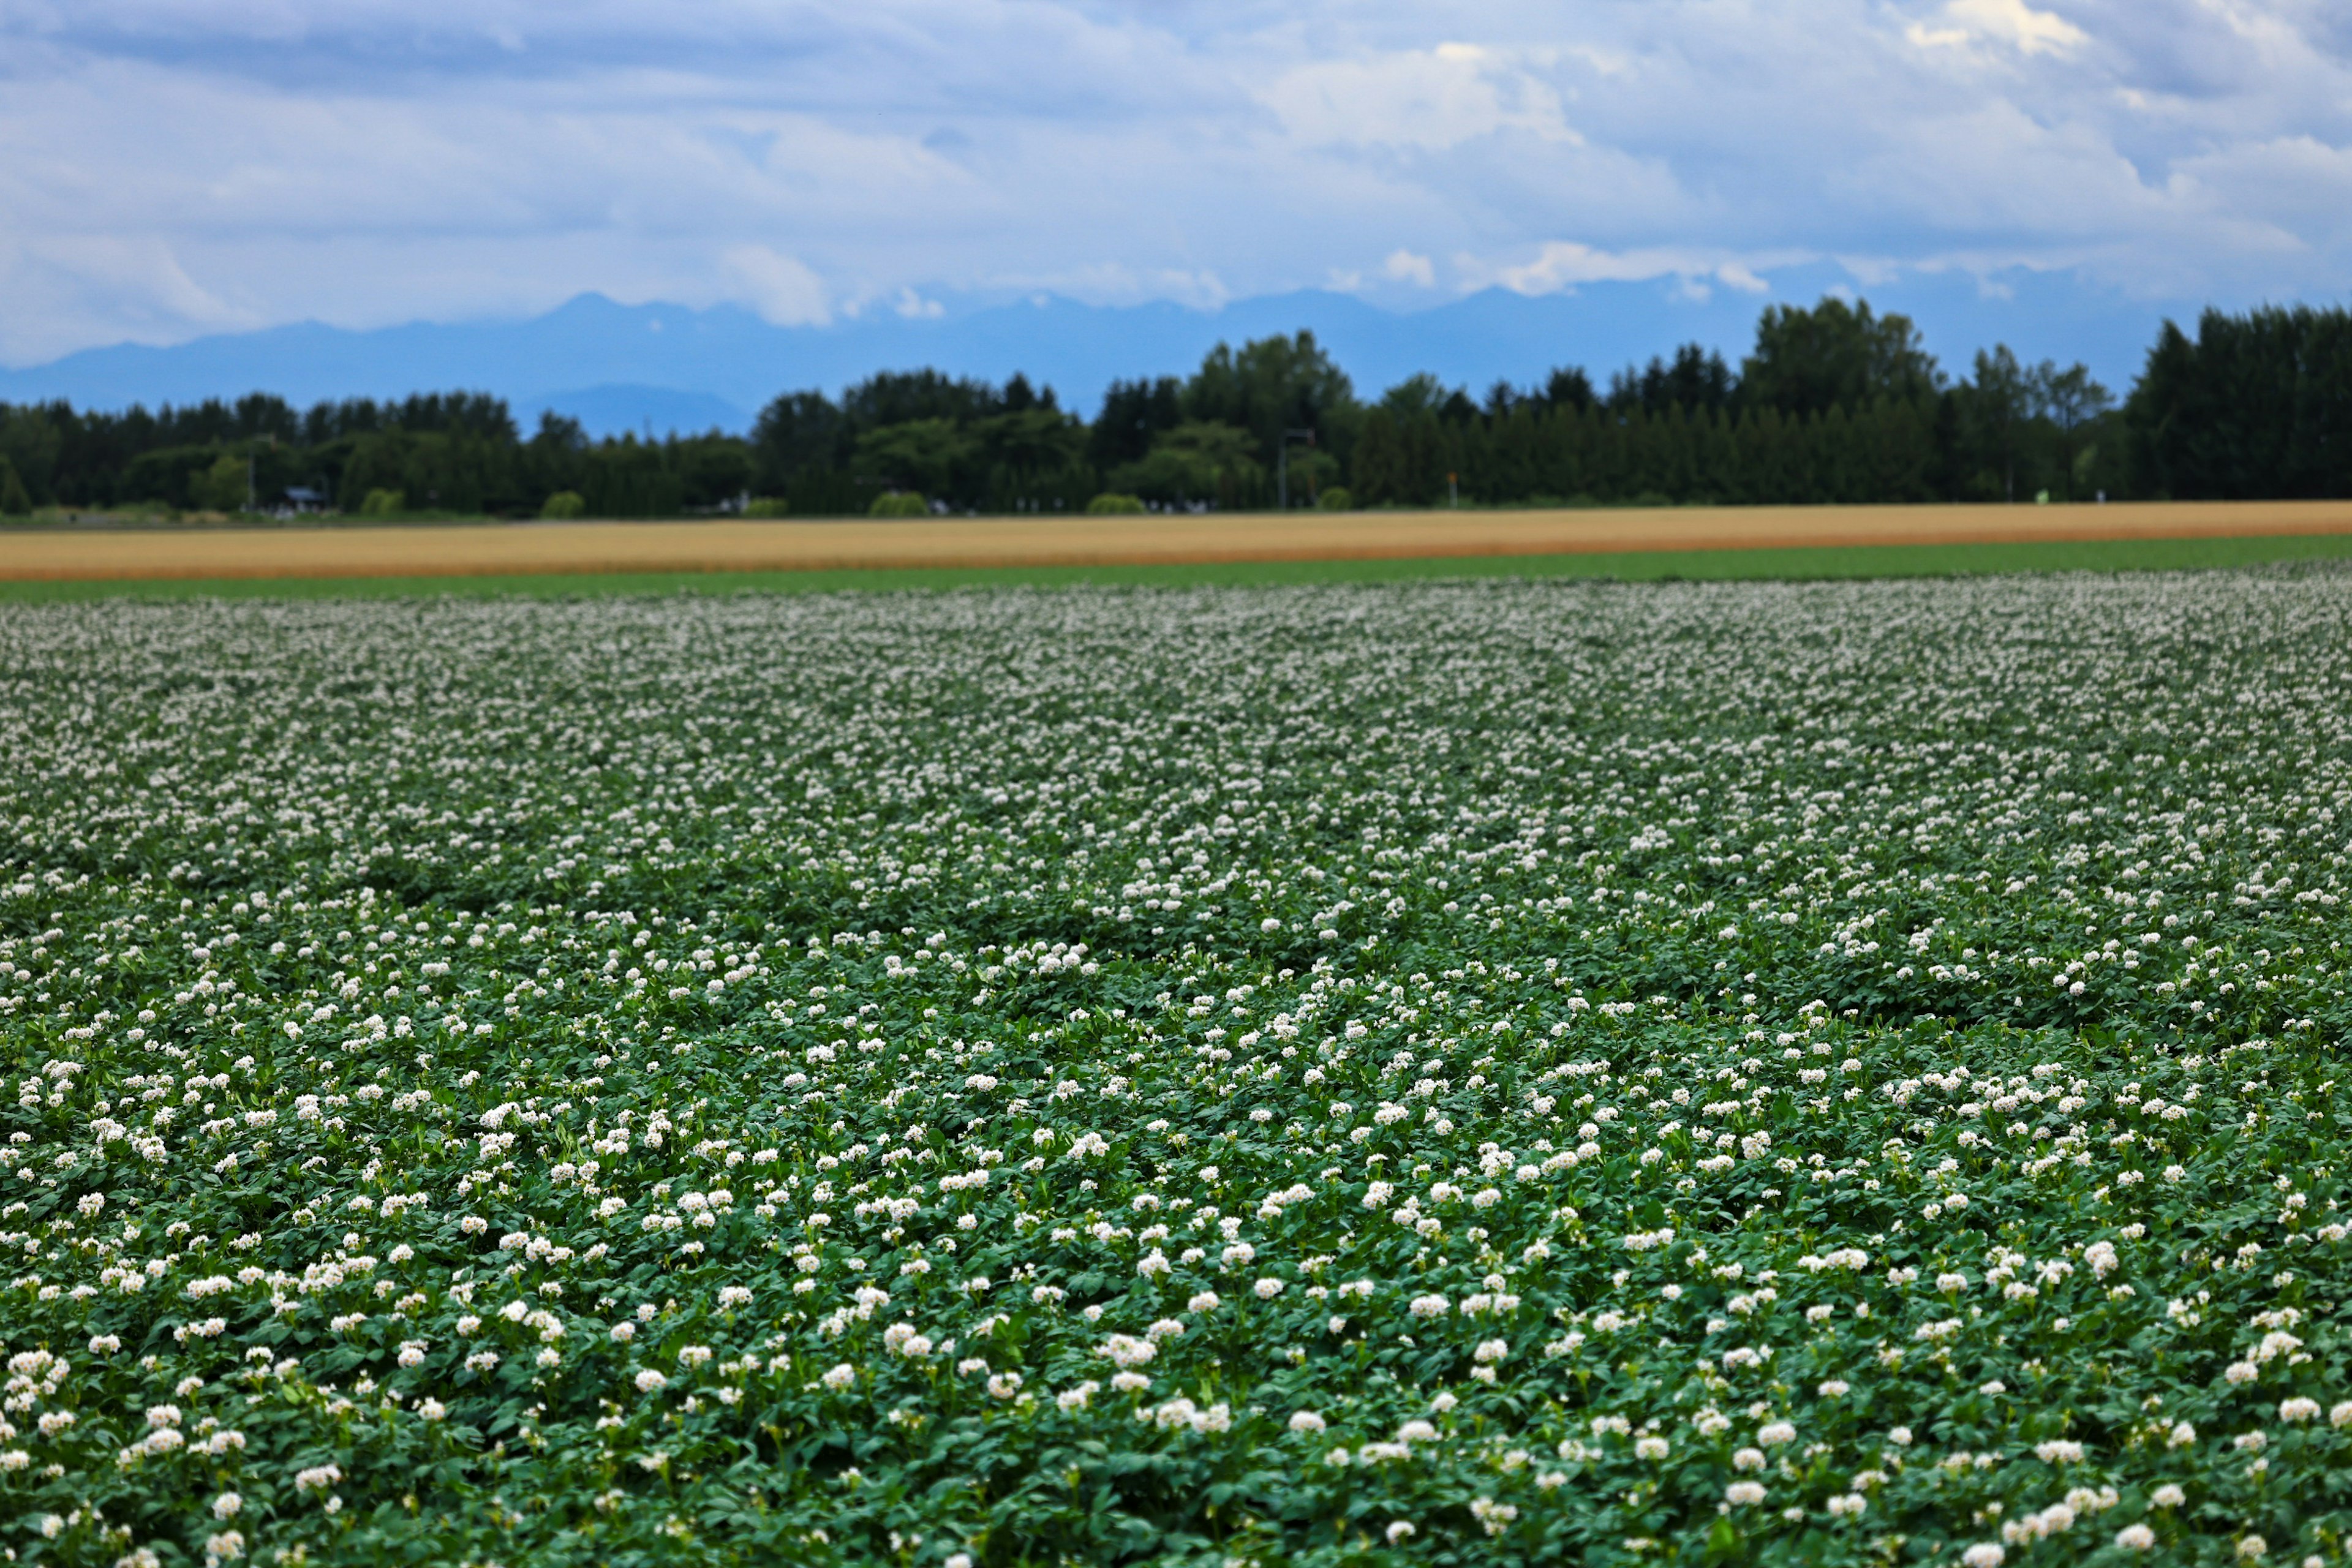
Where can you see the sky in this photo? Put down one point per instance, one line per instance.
(176, 168)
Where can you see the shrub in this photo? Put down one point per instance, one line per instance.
(1336, 499)
(899, 503)
(384, 504)
(562, 504)
(768, 506)
(1111, 504)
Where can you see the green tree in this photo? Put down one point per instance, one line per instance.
(714, 471)
(1200, 460)
(1570, 388)
(1810, 361)
(800, 433)
(1275, 385)
(1032, 458)
(1696, 379)
(34, 443)
(562, 505)
(15, 499)
(1417, 434)
(1037, 439)
(1019, 397)
(1404, 458)
(1770, 458)
(629, 477)
(1999, 400)
(925, 455)
(1514, 455)
(452, 470)
(1420, 392)
(903, 397)
(1379, 473)
(476, 414)
(555, 458)
(1895, 451)
(2069, 399)
(1134, 413)
(2254, 405)
(222, 486)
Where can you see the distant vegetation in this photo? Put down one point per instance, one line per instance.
(1835, 404)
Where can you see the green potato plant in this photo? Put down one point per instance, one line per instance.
(1440, 1073)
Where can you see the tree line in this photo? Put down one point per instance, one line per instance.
(1835, 404)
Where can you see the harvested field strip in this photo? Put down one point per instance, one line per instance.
(510, 549)
(1886, 561)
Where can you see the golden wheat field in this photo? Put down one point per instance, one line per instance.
(497, 549)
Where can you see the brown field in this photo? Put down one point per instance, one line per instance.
(518, 548)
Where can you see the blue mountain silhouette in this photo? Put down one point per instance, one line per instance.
(659, 368)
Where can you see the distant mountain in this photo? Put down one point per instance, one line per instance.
(619, 368)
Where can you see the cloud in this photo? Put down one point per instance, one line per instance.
(1117, 284)
(1404, 266)
(785, 290)
(2009, 22)
(63, 291)
(1425, 98)
(915, 308)
(168, 168)
(1560, 265)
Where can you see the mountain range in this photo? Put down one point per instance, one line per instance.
(654, 368)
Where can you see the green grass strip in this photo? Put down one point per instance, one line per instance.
(1644, 566)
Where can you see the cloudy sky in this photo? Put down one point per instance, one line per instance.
(170, 168)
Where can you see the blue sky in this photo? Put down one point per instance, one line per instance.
(172, 168)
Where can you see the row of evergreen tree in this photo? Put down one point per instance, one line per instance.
(1835, 404)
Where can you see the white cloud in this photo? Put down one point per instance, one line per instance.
(1562, 264)
(2009, 22)
(168, 167)
(1404, 266)
(1117, 284)
(63, 291)
(1425, 98)
(785, 290)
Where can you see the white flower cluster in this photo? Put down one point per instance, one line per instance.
(1576, 1057)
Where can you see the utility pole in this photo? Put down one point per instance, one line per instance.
(1282, 465)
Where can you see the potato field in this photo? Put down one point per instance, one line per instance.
(1438, 1073)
